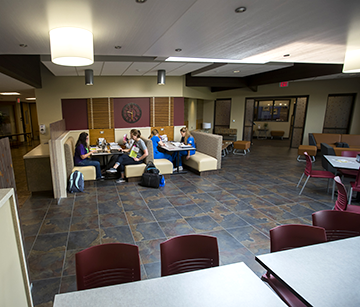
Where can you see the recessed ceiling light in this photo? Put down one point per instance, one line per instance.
(23, 45)
(117, 47)
(178, 49)
(31, 98)
(140, 1)
(236, 71)
(138, 70)
(10, 93)
(240, 9)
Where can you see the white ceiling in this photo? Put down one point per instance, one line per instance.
(309, 31)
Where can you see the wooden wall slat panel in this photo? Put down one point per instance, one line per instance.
(168, 130)
(108, 135)
(101, 113)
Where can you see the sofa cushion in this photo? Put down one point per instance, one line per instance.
(201, 162)
(328, 138)
(352, 139)
(89, 172)
(135, 170)
(164, 166)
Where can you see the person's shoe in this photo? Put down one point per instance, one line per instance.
(121, 180)
(112, 170)
(180, 168)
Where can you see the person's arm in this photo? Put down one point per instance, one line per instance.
(83, 154)
(146, 153)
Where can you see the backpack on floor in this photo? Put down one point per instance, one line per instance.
(76, 182)
(151, 177)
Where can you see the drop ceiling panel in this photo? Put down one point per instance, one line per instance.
(139, 68)
(187, 68)
(115, 68)
(167, 66)
(96, 67)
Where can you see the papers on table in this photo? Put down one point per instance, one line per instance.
(114, 146)
(177, 144)
(185, 146)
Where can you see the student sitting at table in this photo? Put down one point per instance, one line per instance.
(187, 139)
(154, 137)
(82, 154)
(137, 154)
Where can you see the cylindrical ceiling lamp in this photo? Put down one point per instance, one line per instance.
(352, 61)
(161, 74)
(89, 77)
(71, 46)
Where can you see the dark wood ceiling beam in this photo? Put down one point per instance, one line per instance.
(296, 72)
(226, 82)
(25, 68)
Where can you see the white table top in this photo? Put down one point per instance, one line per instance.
(169, 146)
(324, 275)
(228, 285)
(343, 162)
(39, 151)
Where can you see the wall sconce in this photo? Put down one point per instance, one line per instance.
(89, 77)
(352, 61)
(71, 46)
(161, 77)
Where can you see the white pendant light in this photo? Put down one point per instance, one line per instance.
(352, 61)
(71, 46)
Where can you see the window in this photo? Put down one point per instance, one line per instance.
(272, 110)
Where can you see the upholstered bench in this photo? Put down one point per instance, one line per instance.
(134, 172)
(310, 149)
(243, 146)
(277, 133)
(201, 162)
(89, 172)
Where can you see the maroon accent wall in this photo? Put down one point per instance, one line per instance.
(144, 104)
(178, 111)
(74, 111)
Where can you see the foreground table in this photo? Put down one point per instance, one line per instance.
(170, 147)
(321, 275)
(228, 285)
(342, 162)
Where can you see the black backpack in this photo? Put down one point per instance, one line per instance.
(151, 177)
(76, 182)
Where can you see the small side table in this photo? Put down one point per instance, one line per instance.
(262, 134)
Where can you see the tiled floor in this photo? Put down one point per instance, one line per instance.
(250, 195)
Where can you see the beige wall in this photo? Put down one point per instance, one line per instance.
(56, 88)
(48, 98)
(318, 92)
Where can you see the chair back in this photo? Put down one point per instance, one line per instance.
(188, 253)
(349, 153)
(329, 151)
(290, 236)
(308, 166)
(342, 198)
(106, 265)
(338, 224)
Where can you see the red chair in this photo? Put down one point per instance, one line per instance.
(286, 237)
(349, 153)
(315, 174)
(338, 224)
(188, 253)
(355, 185)
(341, 203)
(106, 265)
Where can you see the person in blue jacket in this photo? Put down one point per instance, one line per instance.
(154, 137)
(187, 139)
(82, 154)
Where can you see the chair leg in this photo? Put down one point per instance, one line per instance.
(350, 195)
(327, 187)
(333, 191)
(304, 184)
(300, 179)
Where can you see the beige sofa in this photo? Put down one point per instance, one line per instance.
(353, 140)
(134, 172)
(207, 157)
(89, 172)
